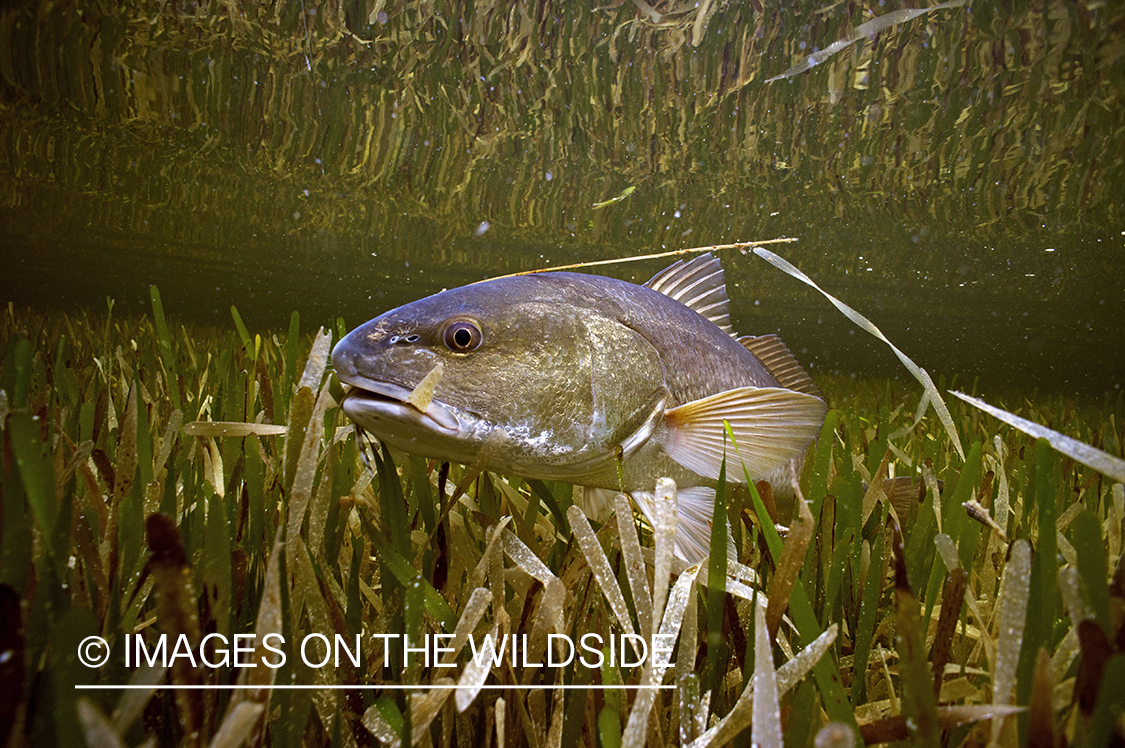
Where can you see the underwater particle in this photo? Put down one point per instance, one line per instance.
(483, 227)
(835, 735)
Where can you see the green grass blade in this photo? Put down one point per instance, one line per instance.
(393, 502)
(291, 345)
(412, 606)
(822, 462)
(836, 568)
(1086, 535)
(868, 613)
(609, 728)
(826, 672)
(539, 488)
(165, 340)
(406, 574)
(1044, 571)
(243, 333)
(716, 581)
(36, 468)
(919, 704)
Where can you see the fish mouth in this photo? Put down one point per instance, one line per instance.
(369, 401)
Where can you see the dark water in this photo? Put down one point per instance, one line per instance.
(957, 177)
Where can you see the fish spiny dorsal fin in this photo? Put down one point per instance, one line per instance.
(776, 357)
(697, 285)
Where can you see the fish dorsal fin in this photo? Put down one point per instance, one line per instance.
(695, 509)
(771, 426)
(781, 363)
(697, 285)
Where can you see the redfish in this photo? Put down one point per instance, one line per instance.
(587, 380)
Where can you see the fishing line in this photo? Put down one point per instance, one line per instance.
(638, 258)
(495, 438)
(366, 448)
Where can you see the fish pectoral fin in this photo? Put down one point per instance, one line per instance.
(695, 509)
(770, 424)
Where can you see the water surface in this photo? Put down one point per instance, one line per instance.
(957, 176)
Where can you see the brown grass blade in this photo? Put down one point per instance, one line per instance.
(789, 565)
(177, 613)
(892, 729)
(918, 698)
(951, 599)
(222, 429)
(1041, 711)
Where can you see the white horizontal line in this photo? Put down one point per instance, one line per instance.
(384, 687)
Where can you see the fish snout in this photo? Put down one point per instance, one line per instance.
(343, 358)
(365, 357)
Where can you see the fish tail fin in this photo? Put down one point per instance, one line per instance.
(695, 508)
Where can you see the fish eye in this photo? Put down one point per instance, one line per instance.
(462, 336)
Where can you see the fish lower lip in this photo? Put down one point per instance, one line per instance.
(388, 400)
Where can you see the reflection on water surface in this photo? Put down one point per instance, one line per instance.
(957, 176)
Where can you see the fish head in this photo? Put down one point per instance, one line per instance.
(384, 362)
(520, 357)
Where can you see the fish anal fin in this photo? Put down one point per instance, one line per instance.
(698, 285)
(780, 362)
(771, 425)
